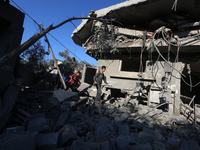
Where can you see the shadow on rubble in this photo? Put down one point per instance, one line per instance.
(65, 120)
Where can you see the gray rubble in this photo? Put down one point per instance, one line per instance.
(76, 128)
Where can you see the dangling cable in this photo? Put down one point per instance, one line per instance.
(174, 5)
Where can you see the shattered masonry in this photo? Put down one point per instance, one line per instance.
(150, 49)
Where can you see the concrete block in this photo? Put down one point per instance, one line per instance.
(121, 118)
(112, 143)
(145, 146)
(174, 142)
(103, 126)
(90, 138)
(148, 135)
(79, 145)
(37, 124)
(123, 130)
(67, 135)
(105, 145)
(48, 141)
(53, 100)
(103, 137)
(122, 142)
(159, 145)
(20, 140)
(14, 129)
(189, 144)
(63, 95)
(62, 119)
(93, 145)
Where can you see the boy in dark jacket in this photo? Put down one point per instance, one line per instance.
(98, 81)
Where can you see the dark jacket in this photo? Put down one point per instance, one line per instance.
(99, 77)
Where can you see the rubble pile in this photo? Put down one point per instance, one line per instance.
(62, 120)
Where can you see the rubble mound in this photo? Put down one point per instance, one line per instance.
(50, 121)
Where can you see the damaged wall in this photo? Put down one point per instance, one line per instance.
(11, 30)
(147, 45)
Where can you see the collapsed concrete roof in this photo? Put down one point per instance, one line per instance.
(142, 14)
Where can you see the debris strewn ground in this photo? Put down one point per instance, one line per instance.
(42, 120)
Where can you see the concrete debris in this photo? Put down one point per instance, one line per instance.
(47, 141)
(67, 135)
(143, 108)
(38, 124)
(18, 140)
(63, 95)
(77, 128)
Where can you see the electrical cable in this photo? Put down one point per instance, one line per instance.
(163, 56)
(175, 5)
(190, 84)
(48, 33)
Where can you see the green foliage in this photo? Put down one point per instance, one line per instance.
(35, 54)
(70, 64)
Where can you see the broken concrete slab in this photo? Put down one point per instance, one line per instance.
(105, 145)
(146, 146)
(189, 144)
(173, 141)
(103, 137)
(47, 141)
(20, 140)
(66, 135)
(79, 145)
(53, 100)
(63, 95)
(123, 130)
(103, 126)
(14, 129)
(38, 124)
(149, 136)
(122, 142)
(93, 145)
(62, 118)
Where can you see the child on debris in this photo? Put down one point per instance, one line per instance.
(98, 81)
(74, 78)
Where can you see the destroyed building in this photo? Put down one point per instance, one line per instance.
(150, 48)
(11, 30)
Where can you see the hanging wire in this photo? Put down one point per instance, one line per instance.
(175, 5)
(48, 33)
(176, 60)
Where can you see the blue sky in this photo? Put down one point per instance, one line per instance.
(53, 12)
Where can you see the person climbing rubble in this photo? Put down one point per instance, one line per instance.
(74, 79)
(98, 81)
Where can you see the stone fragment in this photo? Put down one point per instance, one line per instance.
(122, 142)
(79, 145)
(93, 145)
(62, 95)
(53, 100)
(143, 146)
(20, 140)
(105, 145)
(103, 126)
(103, 137)
(149, 135)
(123, 130)
(47, 141)
(189, 144)
(38, 124)
(173, 141)
(62, 119)
(67, 135)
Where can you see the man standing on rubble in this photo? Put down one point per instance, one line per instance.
(98, 81)
(74, 78)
